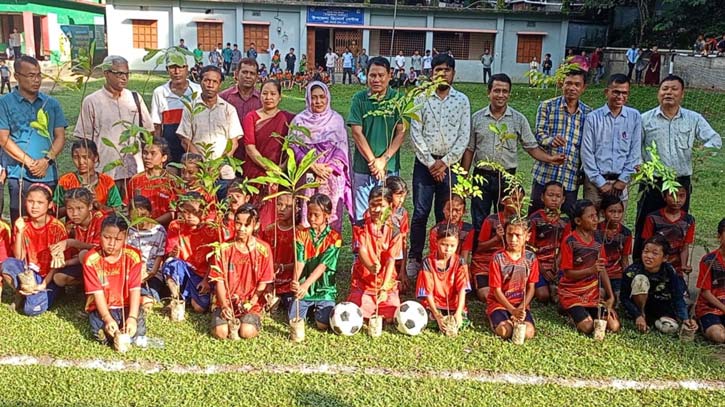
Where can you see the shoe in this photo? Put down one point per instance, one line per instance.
(141, 342)
(412, 269)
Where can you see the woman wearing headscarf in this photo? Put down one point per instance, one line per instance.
(328, 135)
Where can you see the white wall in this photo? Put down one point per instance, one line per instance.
(120, 31)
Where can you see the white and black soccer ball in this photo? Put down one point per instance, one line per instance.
(346, 319)
(411, 318)
(667, 325)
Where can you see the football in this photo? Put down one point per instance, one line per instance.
(411, 318)
(667, 325)
(346, 319)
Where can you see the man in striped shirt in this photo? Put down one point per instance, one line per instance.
(559, 130)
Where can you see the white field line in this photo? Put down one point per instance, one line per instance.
(482, 377)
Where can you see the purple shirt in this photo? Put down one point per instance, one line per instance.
(243, 106)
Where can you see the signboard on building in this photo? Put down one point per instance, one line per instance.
(335, 16)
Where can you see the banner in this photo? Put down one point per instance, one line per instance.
(335, 16)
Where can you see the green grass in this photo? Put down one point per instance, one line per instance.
(557, 351)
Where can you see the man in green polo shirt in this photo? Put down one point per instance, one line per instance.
(377, 138)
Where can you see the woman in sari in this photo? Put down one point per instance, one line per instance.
(259, 126)
(652, 75)
(328, 135)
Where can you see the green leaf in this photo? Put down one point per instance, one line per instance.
(150, 53)
(130, 149)
(107, 142)
(112, 165)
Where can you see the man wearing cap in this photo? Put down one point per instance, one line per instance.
(167, 103)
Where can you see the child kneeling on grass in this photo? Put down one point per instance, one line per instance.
(240, 274)
(155, 183)
(443, 279)
(112, 277)
(710, 305)
(280, 236)
(373, 286)
(652, 289)
(318, 248)
(150, 239)
(583, 268)
(187, 246)
(513, 275)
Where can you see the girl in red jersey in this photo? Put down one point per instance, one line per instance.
(443, 279)
(583, 268)
(190, 177)
(34, 234)
(241, 274)
(513, 274)
(617, 240)
(154, 183)
(280, 236)
(84, 233)
(112, 276)
(401, 225)
(237, 196)
(5, 250)
(710, 305)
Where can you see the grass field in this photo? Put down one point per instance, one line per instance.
(556, 353)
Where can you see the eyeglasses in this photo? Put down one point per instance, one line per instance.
(32, 76)
(119, 74)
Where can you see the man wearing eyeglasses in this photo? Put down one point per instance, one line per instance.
(611, 144)
(107, 112)
(28, 153)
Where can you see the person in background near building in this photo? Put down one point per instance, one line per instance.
(533, 68)
(652, 75)
(449, 52)
(487, 62)
(330, 61)
(611, 144)
(721, 46)
(639, 66)
(198, 54)
(348, 60)
(236, 57)
(416, 62)
(215, 58)
(362, 61)
(547, 64)
(439, 140)
(699, 45)
(182, 45)
(303, 64)
(274, 66)
(559, 128)
(15, 39)
(271, 49)
(167, 106)
(102, 113)
(427, 64)
(290, 60)
(4, 77)
(435, 52)
(596, 63)
(632, 54)
(252, 52)
(227, 58)
(400, 61)
(244, 96)
(485, 145)
(377, 138)
(27, 154)
(674, 130)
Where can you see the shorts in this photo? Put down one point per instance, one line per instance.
(249, 318)
(708, 320)
(75, 271)
(37, 303)
(579, 313)
(616, 286)
(322, 310)
(366, 302)
(97, 323)
(500, 315)
(481, 281)
(543, 282)
(183, 274)
(654, 310)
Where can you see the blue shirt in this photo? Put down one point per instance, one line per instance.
(632, 55)
(16, 114)
(611, 145)
(347, 60)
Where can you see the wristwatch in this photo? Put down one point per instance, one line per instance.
(50, 160)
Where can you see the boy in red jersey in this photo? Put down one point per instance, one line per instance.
(513, 274)
(617, 240)
(443, 280)
(453, 211)
(241, 274)
(374, 285)
(677, 226)
(548, 230)
(154, 183)
(490, 240)
(280, 236)
(112, 276)
(187, 246)
(710, 305)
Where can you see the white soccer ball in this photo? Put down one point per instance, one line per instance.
(411, 318)
(667, 325)
(346, 319)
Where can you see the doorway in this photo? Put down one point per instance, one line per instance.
(322, 43)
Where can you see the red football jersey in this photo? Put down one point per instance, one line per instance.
(547, 236)
(115, 280)
(401, 226)
(37, 241)
(481, 259)
(91, 234)
(5, 240)
(712, 277)
(617, 246)
(283, 253)
(445, 285)
(161, 191)
(465, 238)
(193, 243)
(511, 276)
(678, 233)
(576, 254)
(380, 244)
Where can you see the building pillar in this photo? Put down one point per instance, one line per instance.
(562, 41)
(29, 32)
(430, 23)
(366, 32)
(498, 49)
(175, 34)
(303, 35)
(240, 29)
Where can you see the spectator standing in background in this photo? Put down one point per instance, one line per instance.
(227, 58)
(640, 66)
(348, 60)
(290, 59)
(533, 68)
(416, 62)
(597, 65)
(252, 52)
(547, 64)
(400, 62)
(486, 61)
(330, 61)
(198, 54)
(362, 61)
(652, 75)
(16, 41)
(236, 57)
(632, 54)
(182, 44)
(427, 63)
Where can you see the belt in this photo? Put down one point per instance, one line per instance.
(611, 177)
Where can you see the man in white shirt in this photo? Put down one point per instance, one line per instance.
(330, 61)
(400, 62)
(427, 63)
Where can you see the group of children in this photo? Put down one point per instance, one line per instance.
(179, 242)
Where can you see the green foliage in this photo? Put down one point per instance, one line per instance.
(502, 133)
(652, 169)
(467, 183)
(41, 123)
(161, 56)
(539, 79)
(407, 104)
(514, 183)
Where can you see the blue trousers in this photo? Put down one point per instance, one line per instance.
(426, 192)
(362, 185)
(97, 324)
(183, 274)
(37, 303)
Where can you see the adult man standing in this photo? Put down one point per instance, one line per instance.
(215, 125)
(252, 52)
(487, 62)
(15, 41)
(631, 60)
(347, 63)
(559, 128)
(215, 58)
(290, 59)
(236, 57)
(182, 44)
(362, 61)
(416, 62)
(673, 129)
(102, 114)
(167, 103)
(377, 138)
(244, 96)
(28, 154)
(330, 61)
(400, 61)
(611, 144)
(487, 145)
(227, 58)
(439, 140)
(198, 54)
(427, 63)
